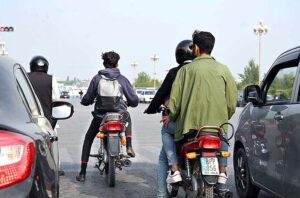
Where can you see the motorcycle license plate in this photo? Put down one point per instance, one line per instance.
(209, 166)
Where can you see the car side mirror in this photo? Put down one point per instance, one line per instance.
(252, 94)
(62, 110)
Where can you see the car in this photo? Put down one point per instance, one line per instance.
(139, 93)
(29, 159)
(64, 94)
(267, 140)
(147, 95)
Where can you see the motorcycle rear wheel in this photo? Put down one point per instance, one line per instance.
(111, 176)
(204, 190)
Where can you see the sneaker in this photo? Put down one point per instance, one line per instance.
(130, 151)
(173, 178)
(80, 177)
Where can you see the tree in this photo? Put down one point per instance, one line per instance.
(250, 75)
(144, 80)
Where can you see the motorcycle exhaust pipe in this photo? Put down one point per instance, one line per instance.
(126, 163)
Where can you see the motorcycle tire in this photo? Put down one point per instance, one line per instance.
(111, 176)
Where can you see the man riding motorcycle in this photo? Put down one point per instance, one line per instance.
(203, 93)
(184, 55)
(111, 71)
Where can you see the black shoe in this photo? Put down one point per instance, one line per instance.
(80, 177)
(130, 151)
(61, 173)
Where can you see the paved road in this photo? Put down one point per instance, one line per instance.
(138, 181)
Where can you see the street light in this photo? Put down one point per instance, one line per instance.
(260, 30)
(134, 65)
(2, 48)
(154, 58)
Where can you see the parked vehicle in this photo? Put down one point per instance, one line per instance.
(240, 99)
(29, 158)
(199, 163)
(267, 149)
(111, 152)
(146, 95)
(65, 94)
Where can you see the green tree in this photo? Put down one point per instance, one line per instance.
(250, 75)
(144, 80)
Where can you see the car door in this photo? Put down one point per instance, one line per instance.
(292, 145)
(269, 127)
(47, 157)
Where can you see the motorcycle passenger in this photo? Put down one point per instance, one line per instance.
(44, 85)
(203, 93)
(167, 156)
(111, 71)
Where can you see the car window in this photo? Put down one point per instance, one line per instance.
(26, 92)
(281, 87)
(149, 92)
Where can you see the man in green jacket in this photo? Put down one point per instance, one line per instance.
(203, 93)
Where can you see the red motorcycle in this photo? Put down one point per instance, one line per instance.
(199, 165)
(111, 152)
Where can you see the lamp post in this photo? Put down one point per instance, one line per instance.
(2, 48)
(260, 30)
(154, 58)
(134, 65)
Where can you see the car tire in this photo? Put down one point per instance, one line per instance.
(243, 183)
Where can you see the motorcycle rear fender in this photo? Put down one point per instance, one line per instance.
(113, 145)
(210, 179)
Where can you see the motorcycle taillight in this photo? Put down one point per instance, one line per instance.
(209, 142)
(112, 126)
(17, 156)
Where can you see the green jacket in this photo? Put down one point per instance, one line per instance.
(203, 93)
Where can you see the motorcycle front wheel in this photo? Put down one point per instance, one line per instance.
(111, 171)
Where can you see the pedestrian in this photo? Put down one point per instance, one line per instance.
(80, 93)
(203, 94)
(111, 71)
(184, 55)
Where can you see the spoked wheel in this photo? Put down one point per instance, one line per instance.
(111, 170)
(244, 186)
(200, 188)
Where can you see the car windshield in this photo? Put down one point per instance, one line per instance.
(149, 92)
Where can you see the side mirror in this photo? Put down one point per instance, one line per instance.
(62, 110)
(252, 94)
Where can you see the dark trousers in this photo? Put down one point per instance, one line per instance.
(92, 132)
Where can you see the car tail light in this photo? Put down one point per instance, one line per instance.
(209, 142)
(112, 126)
(17, 156)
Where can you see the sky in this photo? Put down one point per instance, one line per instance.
(73, 34)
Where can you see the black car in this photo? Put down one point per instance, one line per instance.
(267, 141)
(28, 144)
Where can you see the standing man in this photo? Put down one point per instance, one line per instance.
(203, 93)
(44, 85)
(184, 55)
(111, 71)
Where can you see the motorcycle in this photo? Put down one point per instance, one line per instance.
(111, 153)
(199, 165)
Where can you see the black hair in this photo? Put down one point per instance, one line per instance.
(204, 40)
(110, 59)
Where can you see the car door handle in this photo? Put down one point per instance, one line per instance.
(278, 117)
(53, 138)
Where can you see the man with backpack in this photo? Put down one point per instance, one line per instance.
(108, 87)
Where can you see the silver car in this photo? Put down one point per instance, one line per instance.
(267, 141)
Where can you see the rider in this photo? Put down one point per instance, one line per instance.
(184, 55)
(204, 93)
(110, 62)
(44, 85)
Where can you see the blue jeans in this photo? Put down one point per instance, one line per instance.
(167, 157)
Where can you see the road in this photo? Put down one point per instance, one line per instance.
(138, 181)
